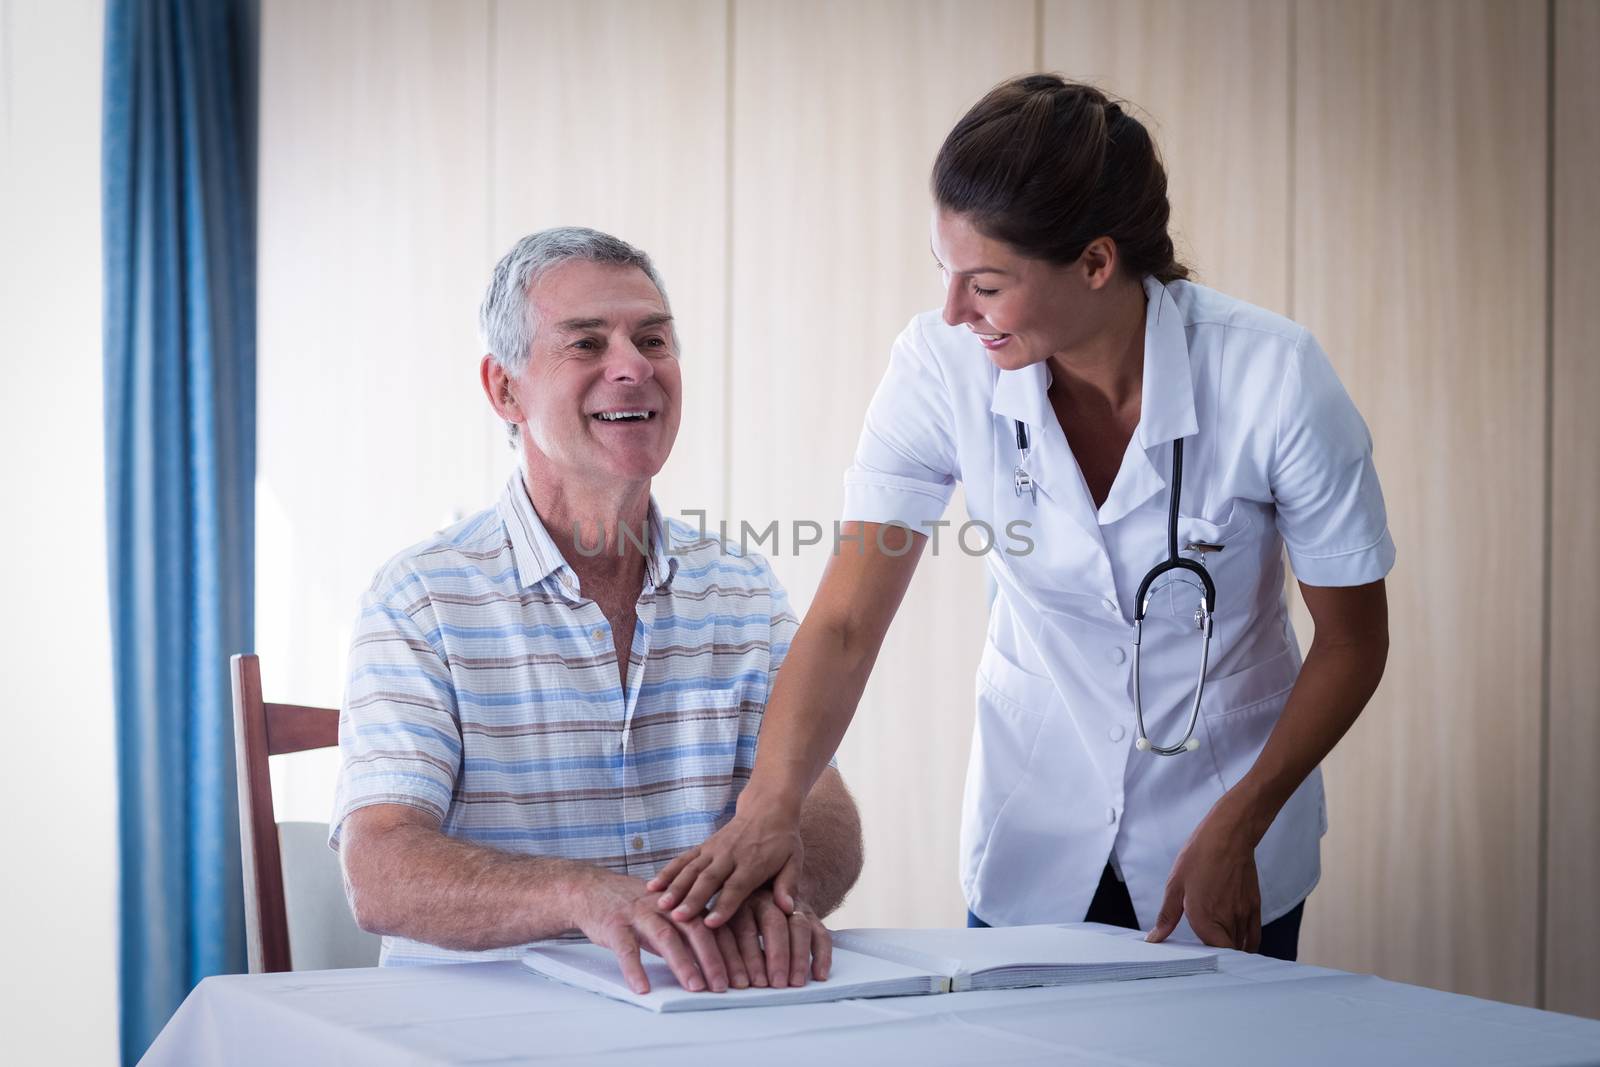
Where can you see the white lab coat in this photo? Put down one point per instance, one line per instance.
(1275, 454)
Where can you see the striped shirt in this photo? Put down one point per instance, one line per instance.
(483, 689)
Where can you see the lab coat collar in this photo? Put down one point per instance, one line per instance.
(1166, 405)
(1024, 394)
(1167, 397)
(1166, 413)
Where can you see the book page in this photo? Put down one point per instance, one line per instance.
(594, 968)
(973, 951)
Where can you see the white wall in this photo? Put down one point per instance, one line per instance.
(57, 790)
(373, 253)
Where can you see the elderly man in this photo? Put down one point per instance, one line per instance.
(549, 700)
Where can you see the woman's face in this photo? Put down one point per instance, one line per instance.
(1022, 310)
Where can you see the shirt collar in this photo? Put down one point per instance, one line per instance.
(661, 565)
(537, 557)
(1167, 396)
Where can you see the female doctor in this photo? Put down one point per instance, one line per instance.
(1070, 363)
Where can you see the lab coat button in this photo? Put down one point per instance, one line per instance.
(1117, 733)
(1117, 655)
(1109, 604)
(1111, 816)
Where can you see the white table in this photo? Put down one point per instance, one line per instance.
(1253, 1011)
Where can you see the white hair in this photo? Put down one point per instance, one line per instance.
(505, 319)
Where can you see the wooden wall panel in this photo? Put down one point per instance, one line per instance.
(614, 115)
(1572, 787)
(1375, 169)
(373, 430)
(838, 111)
(1211, 83)
(1419, 261)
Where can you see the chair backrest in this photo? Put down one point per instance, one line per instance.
(261, 730)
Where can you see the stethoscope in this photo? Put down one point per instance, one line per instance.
(1202, 616)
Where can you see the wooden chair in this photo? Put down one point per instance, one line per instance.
(261, 730)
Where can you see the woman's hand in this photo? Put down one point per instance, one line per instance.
(1214, 878)
(761, 842)
(1214, 881)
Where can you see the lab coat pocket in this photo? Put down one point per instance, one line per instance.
(1240, 710)
(1012, 705)
(1229, 566)
(1232, 526)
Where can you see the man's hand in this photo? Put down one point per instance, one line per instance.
(761, 841)
(620, 913)
(780, 949)
(1214, 881)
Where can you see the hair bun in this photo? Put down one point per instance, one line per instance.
(1046, 166)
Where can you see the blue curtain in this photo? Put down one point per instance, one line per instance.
(179, 185)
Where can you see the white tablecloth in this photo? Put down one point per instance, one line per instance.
(1253, 1011)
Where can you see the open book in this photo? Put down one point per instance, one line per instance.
(1016, 957)
(898, 963)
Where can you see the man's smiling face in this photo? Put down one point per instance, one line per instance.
(602, 386)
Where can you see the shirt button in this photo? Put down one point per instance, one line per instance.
(599, 633)
(1109, 604)
(1111, 816)
(638, 843)
(1117, 733)
(1116, 655)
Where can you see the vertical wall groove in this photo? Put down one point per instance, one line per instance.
(729, 74)
(1293, 54)
(1038, 35)
(1542, 908)
(494, 444)
(489, 121)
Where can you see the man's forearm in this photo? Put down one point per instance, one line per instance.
(413, 881)
(830, 828)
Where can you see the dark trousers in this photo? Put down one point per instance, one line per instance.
(1111, 905)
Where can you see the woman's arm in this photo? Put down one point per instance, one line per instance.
(1214, 879)
(1342, 668)
(813, 700)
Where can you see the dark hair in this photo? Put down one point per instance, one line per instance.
(1047, 165)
